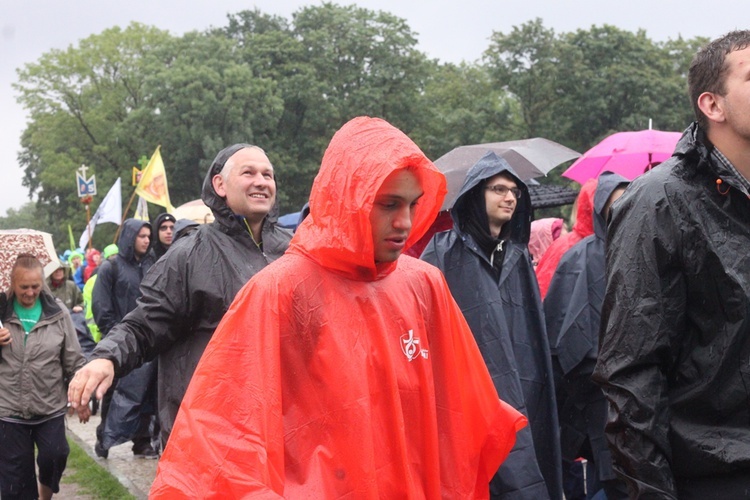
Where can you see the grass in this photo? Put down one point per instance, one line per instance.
(91, 478)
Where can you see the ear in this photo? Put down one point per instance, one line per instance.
(218, 183)
(712, 105)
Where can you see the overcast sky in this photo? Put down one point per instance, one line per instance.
(447, 30)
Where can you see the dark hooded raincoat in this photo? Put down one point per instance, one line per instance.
(505, 315)
(186, 294)
(357, 380)
(572, 309)
(675, 341)
(133, 400)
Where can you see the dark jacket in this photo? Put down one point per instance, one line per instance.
(572, 309)
(675, 339)
(117, 287)
(186, 294)
(505, 314)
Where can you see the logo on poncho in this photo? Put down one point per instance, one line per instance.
(410, 346)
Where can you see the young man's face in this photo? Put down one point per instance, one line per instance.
(249, 187)
(142, 241)
(392, 214)
(500, 207)
(166, 232)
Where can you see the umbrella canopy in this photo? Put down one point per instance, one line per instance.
(194, 210)
(529, 158)
(626, 153)
(14, 242)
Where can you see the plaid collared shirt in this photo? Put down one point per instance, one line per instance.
(719, 156)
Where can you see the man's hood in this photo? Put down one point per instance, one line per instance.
(337, 233)
(489, 166)
(218, 205)
(128, 233)
(608, 182)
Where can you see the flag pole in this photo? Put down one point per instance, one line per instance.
(88, 222)
(124, 216)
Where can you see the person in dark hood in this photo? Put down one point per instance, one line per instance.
(164, 229)
(572, 310)
(488, 268)
(675, 332)
(187, 292)
(115, 293)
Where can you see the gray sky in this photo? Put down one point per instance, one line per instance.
(447, 30)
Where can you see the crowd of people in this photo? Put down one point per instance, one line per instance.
(326, 363)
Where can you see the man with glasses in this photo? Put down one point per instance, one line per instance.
(486, 262)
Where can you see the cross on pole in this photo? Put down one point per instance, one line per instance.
(83, 170)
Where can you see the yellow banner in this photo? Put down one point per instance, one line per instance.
(153, 184)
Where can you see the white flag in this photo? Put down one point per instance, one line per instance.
(110, 210)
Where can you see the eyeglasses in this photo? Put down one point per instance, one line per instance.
(502, 191)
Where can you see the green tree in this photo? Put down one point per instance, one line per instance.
(461, 105)
(331, 63)
(24, 217)
(577, 88)
(78, 100)
(526, 62)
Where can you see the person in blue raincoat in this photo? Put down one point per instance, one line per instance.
(572, 309)
(488, 268)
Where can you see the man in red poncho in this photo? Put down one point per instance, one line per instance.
(345, 369)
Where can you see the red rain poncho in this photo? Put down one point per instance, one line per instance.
(584, 226)
(331, 377)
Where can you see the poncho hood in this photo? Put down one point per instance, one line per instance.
(362, 154)
(584, 224)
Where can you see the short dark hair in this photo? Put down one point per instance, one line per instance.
(708, 70)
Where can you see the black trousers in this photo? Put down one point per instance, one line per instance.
(18, 479)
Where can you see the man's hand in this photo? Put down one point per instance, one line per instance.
(97, 375)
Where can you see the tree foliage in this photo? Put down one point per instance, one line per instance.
(288, 84)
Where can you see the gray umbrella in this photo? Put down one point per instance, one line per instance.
(529, 158)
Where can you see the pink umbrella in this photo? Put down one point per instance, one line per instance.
(627, 153)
